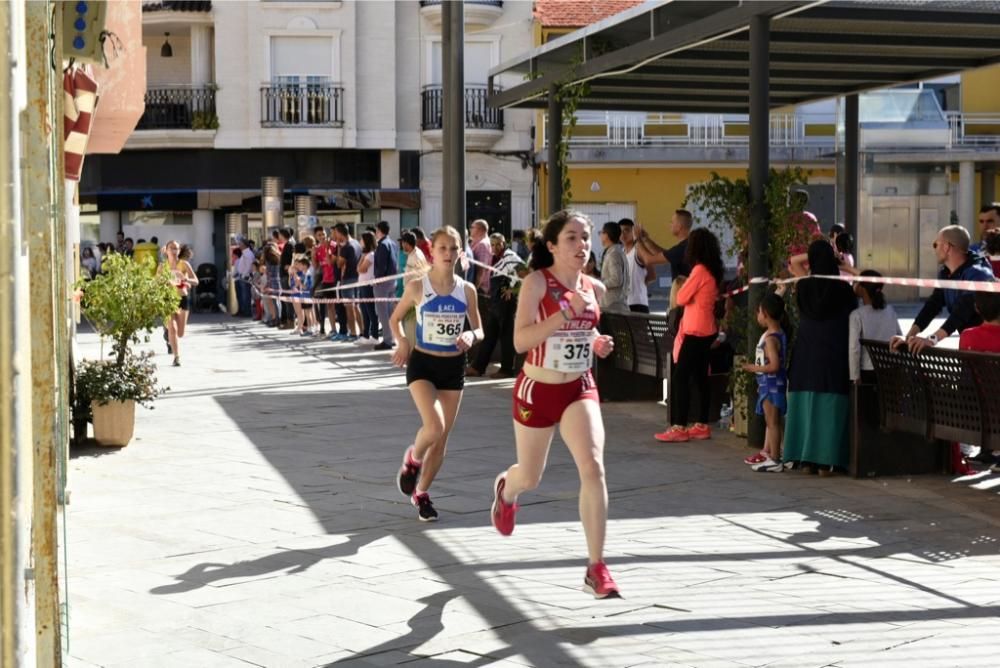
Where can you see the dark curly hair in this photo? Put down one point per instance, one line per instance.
(703, 248)
(541, 256)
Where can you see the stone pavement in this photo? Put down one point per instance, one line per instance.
(254, 520)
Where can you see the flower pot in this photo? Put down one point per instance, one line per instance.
(114, 422)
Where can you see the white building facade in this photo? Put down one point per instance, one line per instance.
(338, 102)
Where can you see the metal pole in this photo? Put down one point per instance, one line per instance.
(453, 114)
(760, 28)
(554, 133)
(852, 182)
(988, 183)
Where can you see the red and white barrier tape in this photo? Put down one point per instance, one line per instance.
(946, 284)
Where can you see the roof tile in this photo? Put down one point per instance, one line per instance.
(578, 13)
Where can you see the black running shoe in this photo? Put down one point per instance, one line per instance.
(409, 474)
(425, 509)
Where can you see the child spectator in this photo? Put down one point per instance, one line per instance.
(986, 337)
(844, 245)
(875, 320)
(302, 285)
(769, 365)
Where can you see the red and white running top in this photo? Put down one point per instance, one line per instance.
(570, 348)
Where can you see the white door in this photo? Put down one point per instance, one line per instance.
(603, 213)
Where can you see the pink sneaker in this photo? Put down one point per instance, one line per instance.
(598, 581)
(502, 514)
(700, 432)
(674, 434)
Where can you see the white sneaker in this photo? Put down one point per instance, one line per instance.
(364, 341)
(771, 466)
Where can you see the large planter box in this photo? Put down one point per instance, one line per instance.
(114, 422)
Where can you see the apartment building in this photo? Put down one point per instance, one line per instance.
(294, 112)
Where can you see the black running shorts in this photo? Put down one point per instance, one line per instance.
(445, 373)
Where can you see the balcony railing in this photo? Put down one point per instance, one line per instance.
(300, 105)
(973, 129)
(478, 114)
(490, 3)
(179, 107)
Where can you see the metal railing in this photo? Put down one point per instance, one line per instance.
(612, 129)
(491, 3)
(179, 107)
(973, 129)
(301, 105)
(478, 114)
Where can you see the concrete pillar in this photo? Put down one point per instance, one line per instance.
(988, 184)
(110, 226)
(201, 55)
(966, 204)
(272, 199)
(305, 215)
(203, 221)
(390, 169)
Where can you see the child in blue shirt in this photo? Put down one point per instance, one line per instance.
(769, 365)
(302, 283)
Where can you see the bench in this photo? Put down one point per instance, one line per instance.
(924, 403)
(641, 361)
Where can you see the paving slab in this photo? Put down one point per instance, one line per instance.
(254, 521)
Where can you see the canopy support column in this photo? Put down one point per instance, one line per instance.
(852, 164)
(554, 133)
(453, 115)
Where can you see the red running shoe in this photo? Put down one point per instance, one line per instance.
(409, 474)
(599, 582)
(503, 513)
(755, 459)
(700, 432)
(674, 434)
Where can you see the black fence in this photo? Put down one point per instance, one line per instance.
(301, 105)
(478, 114)
(185, 108)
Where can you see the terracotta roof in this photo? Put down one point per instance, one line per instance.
(178, 6)
(578, 13)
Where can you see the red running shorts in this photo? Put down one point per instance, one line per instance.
(541, 405)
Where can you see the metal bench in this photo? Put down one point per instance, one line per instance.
(924, 403)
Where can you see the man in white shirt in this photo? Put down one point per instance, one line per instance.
(242, 273)
(641, 275)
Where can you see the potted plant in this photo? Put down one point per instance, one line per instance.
(123, 303)
(726, 203)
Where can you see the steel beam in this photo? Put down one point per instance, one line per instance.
(852, 164)
(759, 168)
(553, 132)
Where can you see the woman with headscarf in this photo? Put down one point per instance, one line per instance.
(818, 375)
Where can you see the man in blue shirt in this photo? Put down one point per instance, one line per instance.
(958, 263)
(386, 252)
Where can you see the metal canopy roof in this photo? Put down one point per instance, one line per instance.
(693, 55)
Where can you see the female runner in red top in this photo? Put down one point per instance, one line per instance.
(556, 324)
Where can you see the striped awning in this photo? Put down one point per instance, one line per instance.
(80, 93)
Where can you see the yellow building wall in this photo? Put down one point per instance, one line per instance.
(655, 191)
(981, 90)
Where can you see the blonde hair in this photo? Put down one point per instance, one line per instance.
(450, 231)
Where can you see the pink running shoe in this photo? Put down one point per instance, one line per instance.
(409, 474)
(755, 459)
(598, 581)
(502, 514)
(700, 432)
(674, 434)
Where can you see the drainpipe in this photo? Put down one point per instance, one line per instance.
(42, 183)
(17, 586)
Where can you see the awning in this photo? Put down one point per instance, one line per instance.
(693, 55)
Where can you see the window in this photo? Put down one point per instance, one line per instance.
(302, 58)
(479, 58)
